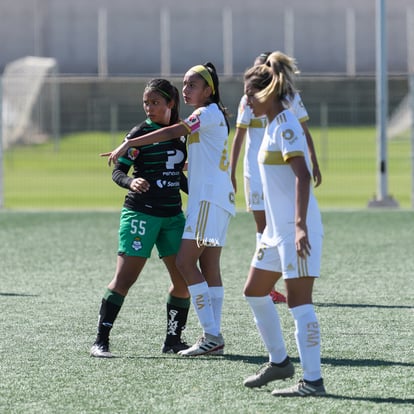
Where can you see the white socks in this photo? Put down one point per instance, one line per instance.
(308, 341)
(217, 296)
(201, 300)
(268, 323)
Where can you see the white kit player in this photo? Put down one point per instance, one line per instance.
(291, 244)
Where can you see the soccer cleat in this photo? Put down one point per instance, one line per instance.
(205, 345)
(175, 348)
(101, 350)
(277, 297)
(269, 372)
(302, 389)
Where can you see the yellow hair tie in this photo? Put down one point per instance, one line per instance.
(201, 70)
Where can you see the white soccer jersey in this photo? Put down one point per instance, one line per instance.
(208, 164)
(284, 138)
(255, 130)
(297, 107)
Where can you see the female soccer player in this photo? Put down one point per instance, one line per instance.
(292, 240)
(151, 215)
(210, 200)
(253, 128)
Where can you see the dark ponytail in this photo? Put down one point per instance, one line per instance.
(170, 93)
(216, 96)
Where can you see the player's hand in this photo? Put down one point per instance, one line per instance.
(116, 153)
(302, 244)
(139, 185)
(317, 176)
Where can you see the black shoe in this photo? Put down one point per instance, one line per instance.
(174, 348)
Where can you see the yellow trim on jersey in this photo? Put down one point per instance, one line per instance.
(202, 222)
(242, 126)
(258, 123)
(302, 267)
(293, 154)
(201, 70)
(271, 158)
(193, 138)
(186, 126)
(304, 119)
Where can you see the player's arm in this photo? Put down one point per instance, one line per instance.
(235, 153)
(317, 176)
(302, 190)
(120, 175)
(160, 135)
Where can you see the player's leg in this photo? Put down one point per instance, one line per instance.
(137, 235)
(178, 304)
(205, 233)
(299, 276)
(260, 281)
(178, 300)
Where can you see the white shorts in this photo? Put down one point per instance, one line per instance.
(284, 259)
(207, 224)
(253, 193)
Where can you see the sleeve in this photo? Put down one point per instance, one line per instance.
(193, 122)
(291, 140)
(120, 175)
(183, 183)
(244, 114)
(298, 108)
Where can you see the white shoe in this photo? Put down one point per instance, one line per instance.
(101, 350)
(206, 345)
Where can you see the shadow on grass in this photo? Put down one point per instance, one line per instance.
(363, 305)
(378, 400)
(260, 359)
(17, 294)
(363, 362)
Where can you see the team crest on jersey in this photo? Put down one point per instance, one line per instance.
(136, 244)
(288, 134)
(133, 153)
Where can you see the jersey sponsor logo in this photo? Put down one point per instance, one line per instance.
(174, 158)
(168, 184)
(133, 153)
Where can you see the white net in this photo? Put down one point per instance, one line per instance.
(400, 121)
(29, 100)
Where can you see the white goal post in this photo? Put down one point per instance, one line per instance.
(29, 100)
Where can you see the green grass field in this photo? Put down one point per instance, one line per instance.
(55, 266)
(75, 177)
